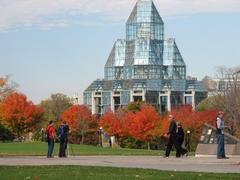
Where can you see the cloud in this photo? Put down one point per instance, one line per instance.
(47, 14)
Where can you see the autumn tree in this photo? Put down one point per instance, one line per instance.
(110, 123)
(20, 115)
(145, 124)
(55, 106)
(80, 120)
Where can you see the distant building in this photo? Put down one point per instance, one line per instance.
(229, 82)
(144, 67)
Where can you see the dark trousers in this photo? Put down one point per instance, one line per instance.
(63, 147)
(220, 148)
(50, 147)
(180, 142)
(173, 141)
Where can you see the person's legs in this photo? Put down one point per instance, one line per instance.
(61, 147)
(49, 154)
(178, 152)
(223, 147)
(220, 141)
(64, 147)
(169, 146)
(178, 148)
(51, 147)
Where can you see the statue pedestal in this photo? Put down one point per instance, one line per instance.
(208, 143)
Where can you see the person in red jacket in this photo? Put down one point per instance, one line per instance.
(50, 138)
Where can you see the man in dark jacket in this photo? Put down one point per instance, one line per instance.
(172, 140)
(63, 137)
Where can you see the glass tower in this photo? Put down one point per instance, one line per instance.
(145, 54)
(145, 66)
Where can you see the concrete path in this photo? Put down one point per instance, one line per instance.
(194, 164)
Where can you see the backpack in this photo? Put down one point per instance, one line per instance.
(61, 132)
(46, 135)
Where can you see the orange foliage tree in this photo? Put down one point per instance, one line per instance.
(20, 115)
(145, 124)
(80, 120)
(115, 124)
(110, 124)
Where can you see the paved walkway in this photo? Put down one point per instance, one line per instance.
(195, 164)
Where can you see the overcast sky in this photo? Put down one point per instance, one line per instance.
(62, 45)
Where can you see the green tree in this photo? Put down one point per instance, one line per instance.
(55, 106)
(209, 103)
(134, 106)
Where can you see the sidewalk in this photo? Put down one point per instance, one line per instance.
(194, 164)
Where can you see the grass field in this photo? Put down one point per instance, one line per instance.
(103, 173)
(40, 149)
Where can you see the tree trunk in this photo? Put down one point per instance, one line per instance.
(82, 138)
(148, 145)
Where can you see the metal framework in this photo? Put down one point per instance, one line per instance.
(144, 66)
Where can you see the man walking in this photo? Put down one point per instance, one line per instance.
(50, 138)
(172, 140)
(63, 137)
(220, 136)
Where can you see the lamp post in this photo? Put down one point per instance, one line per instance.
(188, 140)
(100, 136)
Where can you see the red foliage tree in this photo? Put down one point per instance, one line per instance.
(19, 115)
(80, 120)
(112, 123)
(145, 124)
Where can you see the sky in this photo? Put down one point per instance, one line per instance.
(61, 46)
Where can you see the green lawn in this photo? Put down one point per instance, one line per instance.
(103, 173)
(40, 149)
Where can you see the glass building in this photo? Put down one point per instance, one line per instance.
(145, 66)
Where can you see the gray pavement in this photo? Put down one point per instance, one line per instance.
(194, 164)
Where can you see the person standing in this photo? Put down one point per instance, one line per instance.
(63, 137)
(172, 140)
(180, 138)
(50, 139)
(220, 136)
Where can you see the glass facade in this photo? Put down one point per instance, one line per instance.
(174, 65)
(115, 62)
(145, 54)
(143, 66)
